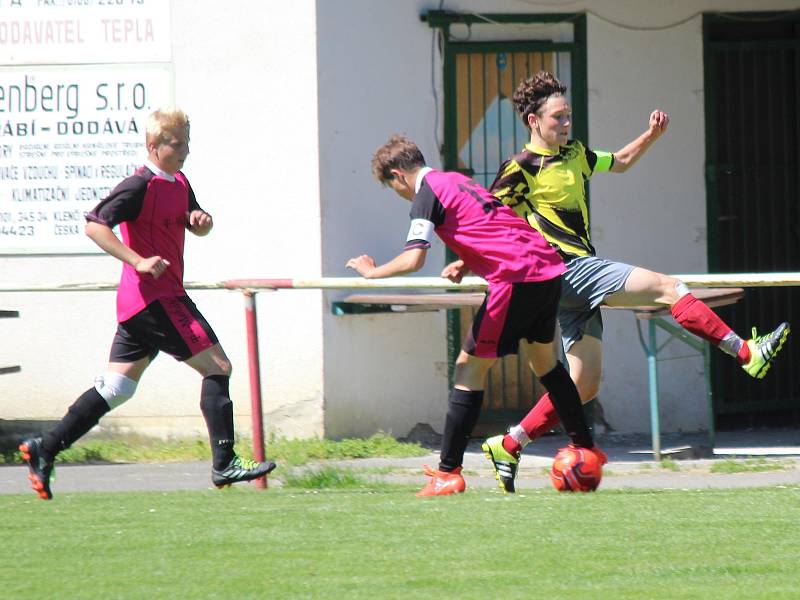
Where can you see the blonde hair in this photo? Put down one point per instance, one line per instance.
(163, 122)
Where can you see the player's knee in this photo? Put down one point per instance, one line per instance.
(672, 289)
(223, 369)
(219, 364)
(115, 388)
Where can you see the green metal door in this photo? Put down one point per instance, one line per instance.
(753, 185)
(481, 130)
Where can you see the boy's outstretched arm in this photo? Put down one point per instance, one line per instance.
(408, 261)
(626, 157)
(103, 236)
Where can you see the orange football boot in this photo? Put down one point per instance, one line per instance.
(442, 483)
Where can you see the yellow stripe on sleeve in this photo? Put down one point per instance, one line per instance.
(605, 161)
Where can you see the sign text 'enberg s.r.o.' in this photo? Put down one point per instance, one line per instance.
(31, 97)
(67, 136)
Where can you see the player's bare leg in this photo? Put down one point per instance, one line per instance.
(755, 355)
(132, 370)
(645, 288)
(585, 359)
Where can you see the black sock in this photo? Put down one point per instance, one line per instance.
(567, 402)
(462, 413)
(217, 409)
(84, 414)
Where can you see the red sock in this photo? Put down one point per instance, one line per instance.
(695, 316)
(744, 354)
(539, 420)
(512, 446)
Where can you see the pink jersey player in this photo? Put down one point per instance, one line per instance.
(523, 272)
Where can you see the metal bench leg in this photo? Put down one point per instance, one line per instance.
(712, 432)
(652, 372)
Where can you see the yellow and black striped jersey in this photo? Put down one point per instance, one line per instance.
(549, 190)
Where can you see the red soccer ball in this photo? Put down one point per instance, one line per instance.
(576, 470)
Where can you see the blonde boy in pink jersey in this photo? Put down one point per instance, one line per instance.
(522, 271)
(153, 208)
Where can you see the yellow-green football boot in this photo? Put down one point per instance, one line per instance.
(763, 349)
(505, 464)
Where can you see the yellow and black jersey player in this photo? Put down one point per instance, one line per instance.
(545, 183)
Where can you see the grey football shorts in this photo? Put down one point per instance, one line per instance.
(584, 287)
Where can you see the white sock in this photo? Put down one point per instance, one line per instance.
(682, 289)
(518, 433)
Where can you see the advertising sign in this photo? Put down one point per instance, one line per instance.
(67, 137)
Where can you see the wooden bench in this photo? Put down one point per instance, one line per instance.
(655, 316)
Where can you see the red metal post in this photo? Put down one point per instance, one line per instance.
(255, 381)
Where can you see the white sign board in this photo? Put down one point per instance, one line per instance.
(84, 31)
(67, 137)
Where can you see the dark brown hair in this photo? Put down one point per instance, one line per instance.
(398, 153)
(534, 91)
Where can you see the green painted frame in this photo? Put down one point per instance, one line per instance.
(578, 55)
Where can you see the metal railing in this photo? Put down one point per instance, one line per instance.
(250, 287)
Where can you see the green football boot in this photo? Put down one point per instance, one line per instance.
(505, 464)
(240, 469)
(763, 349)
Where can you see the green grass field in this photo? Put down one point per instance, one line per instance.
(381, 542)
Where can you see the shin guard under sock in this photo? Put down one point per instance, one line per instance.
(217, 409)
(463, 410)
(84, 414)
(564, 396)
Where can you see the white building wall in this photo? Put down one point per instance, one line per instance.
(382, 372)
(250, 79)
(247, 79)
(288, 101)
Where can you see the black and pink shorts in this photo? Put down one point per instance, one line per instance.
(172, 325)
(512, 312)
